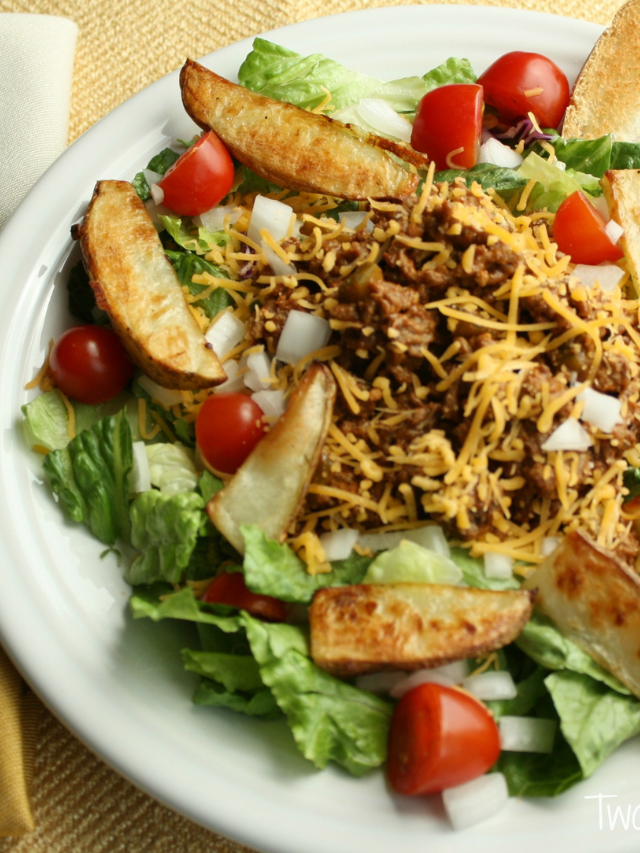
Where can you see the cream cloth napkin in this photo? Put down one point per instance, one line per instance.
(36, 70)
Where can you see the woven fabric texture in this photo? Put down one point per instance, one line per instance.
(79, 804)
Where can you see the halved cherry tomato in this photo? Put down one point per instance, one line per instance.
(230, 588)
(448, 125)
(579, 231)
(439, 737)
(519, 83)
(228, 427)
(200, 178)
(89, 364)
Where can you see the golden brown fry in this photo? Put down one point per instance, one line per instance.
(605, 96)
(136, 285)
(270, 485)
(295, 148)
(594, 600)
(375, 627)
(622, 192)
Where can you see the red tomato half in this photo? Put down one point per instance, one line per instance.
(579, 231)
(200, 178)
(228, 427)
(89, 364)
(230, 588)
(448, 125)
(519, 83)
(439, 737)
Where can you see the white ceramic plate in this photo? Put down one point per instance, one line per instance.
(63, 613)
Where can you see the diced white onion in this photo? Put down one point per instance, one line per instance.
(302, 334)
(498, 565)
(382, 116)
(167, 397)
(141, 476)
(157, 193)
(614, 230)
(489, 686)
(213, 220)
(527, 734)
(549, 545)
(225, 333)
(475, 801)
(448, 675)
(258, 371)
(151, 177)
(353, 218)
(560, 164)
(276, 263)
(570, 435)
(429, 536)
(379, 682)
(271, 402)
(271, 214)
(607, 275)
(600, 410)
(233, 382)
(493, 151)
(600, 204)
(338, 544)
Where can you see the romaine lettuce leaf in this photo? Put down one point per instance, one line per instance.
(159, 163)
(171, 468)
(452, 70)
(234, 672)
(411, 563)
(274, 569)
(90, 476)
(165, 529)
(192, 237)
(501, 179)
(186, 265)
(260, 703)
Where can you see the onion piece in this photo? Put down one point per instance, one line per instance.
(276, 263)
(607, 275)
(151, 177)
(234, 382)
(213, 220)
(167, 397)
(271, 214)
(549, 545)
(271, 402)
(353, 218)
(600, 204)
(258, 371)
(382, 116)
(157, 193)
(338, 544)
(429, 536)
(600, 410)
(475, 801)
(493, 151)
(225, 333)
(448, 675)
(570, 435)
(302, 334)
(379, 682)
(141, 480)
(489, 686)
(614, 230)
(498, 565)
(527, 734)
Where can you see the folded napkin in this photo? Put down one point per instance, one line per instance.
(36, 69)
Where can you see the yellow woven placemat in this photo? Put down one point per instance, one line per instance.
(80, 805)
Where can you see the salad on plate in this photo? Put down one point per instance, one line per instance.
(354, 388)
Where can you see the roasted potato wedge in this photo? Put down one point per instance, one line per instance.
(270, 485)
(594, 599)
(295, 148)
(621, 189)
(605, 96)
(136, 285)
(376, 627)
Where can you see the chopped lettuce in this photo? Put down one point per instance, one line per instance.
(193, 237)
(501, 179)
(164, 529)
(554, 184)
(632, 482)
(188, 264)
(274, 569)
(160, 163)
(452, 70)
(596, 156)
(171, 467)
(91, 474)
(411, 563)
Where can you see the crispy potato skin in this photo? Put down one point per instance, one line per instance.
(621, 189)
(136, 285)
(269, 487)
(295, 148)
(376, 627)
(594, 599)
(605, 96)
